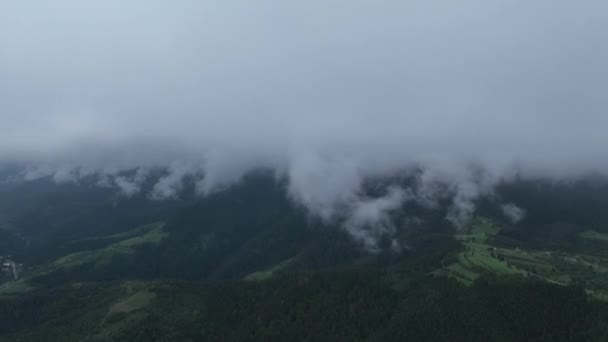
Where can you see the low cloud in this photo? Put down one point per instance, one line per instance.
(130, 186)
(328, 94)
(513, 213)
(369, 219)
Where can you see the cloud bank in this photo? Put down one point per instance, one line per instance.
(326, 93)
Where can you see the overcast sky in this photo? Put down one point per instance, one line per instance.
(519, 80)
(325, 91)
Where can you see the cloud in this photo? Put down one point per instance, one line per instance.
(326, 93)
(170, 186)
(130, 186)
(513, 212)
(369, 219)
(324, 186)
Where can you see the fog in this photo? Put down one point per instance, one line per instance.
(326, 93)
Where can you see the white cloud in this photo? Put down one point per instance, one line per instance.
(325, 93)
(513, 212)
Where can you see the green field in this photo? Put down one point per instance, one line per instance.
(149, 234)
(480, 255)
(593, 235)
(268, 273)
(134, 302)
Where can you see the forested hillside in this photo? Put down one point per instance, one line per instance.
(246, 264)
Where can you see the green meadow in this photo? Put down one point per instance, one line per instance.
(480, 255)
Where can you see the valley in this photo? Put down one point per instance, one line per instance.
(195, 270)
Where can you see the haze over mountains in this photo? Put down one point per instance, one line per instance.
(399, 160)
(328, 95)
(248, 263)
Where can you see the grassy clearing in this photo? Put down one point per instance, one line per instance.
(479, 256)
(477, 259)
(151, 234)
(117, 236)
(593, 235)
(268, 273)
(15, 288)
(461, 273)
(128, 309)
(136, 301)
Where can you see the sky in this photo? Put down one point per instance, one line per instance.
(325, 92)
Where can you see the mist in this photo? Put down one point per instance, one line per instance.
(325, 93)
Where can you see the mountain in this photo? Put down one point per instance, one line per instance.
(247, 263)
